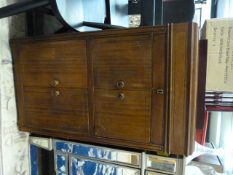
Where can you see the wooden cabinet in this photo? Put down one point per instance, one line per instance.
(134, 88)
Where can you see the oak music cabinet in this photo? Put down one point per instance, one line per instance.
(132, 88)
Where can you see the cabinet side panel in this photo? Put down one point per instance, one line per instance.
(192, 94)
(183, 83)
(18, 85)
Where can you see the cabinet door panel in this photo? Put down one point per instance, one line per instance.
(124, 50)
(69, 74)
(52, 51)
(126, 117)
(56, 109)
(126, 59)
(133, 77)
(43, 63)
(55, 99)
(58, 120)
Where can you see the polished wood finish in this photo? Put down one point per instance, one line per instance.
(134, 88)
(122, 59)
(124, 118)
(183, 82)
(53, 61)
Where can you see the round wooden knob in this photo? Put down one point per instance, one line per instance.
(121, 96)
(120, 84)
(55, 83)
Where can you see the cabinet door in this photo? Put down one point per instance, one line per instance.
(51, 80)
(122, 67)
(122, 114)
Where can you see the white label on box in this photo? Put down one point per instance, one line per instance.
(220, 55)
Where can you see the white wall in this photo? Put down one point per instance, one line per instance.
(14, 155)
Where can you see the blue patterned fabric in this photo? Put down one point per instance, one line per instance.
(88, 167)
(34, 160)
(90, 160)
(64, 147)
(61, 163)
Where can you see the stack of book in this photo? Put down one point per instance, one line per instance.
(219, 101)
(219, 81)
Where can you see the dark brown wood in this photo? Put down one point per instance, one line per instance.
(134, 88)
(124, 118)
(183, 80)
(54, 85)
(122, 59)
(159, 103)
(44, 62)
(201, 86)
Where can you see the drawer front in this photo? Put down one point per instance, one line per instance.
(43, 64)
(54, 109)
(126, 58)
(122, 114)
(92, 167)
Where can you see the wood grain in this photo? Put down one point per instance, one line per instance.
(43, 62)
(113, 116)
(153, 109)
(159, 103)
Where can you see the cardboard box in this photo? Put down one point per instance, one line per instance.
(219, 33)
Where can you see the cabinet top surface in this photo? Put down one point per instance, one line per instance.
(76, 35)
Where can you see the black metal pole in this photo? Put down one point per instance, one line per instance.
(151, 9)
(108, 15)
(21, 7)
(101, 25)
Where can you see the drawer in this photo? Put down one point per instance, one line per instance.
(42, 63)
(92, 167)
(123, 76)
(123, 60)
(55, 99)
(122, 114)
(132, 159)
